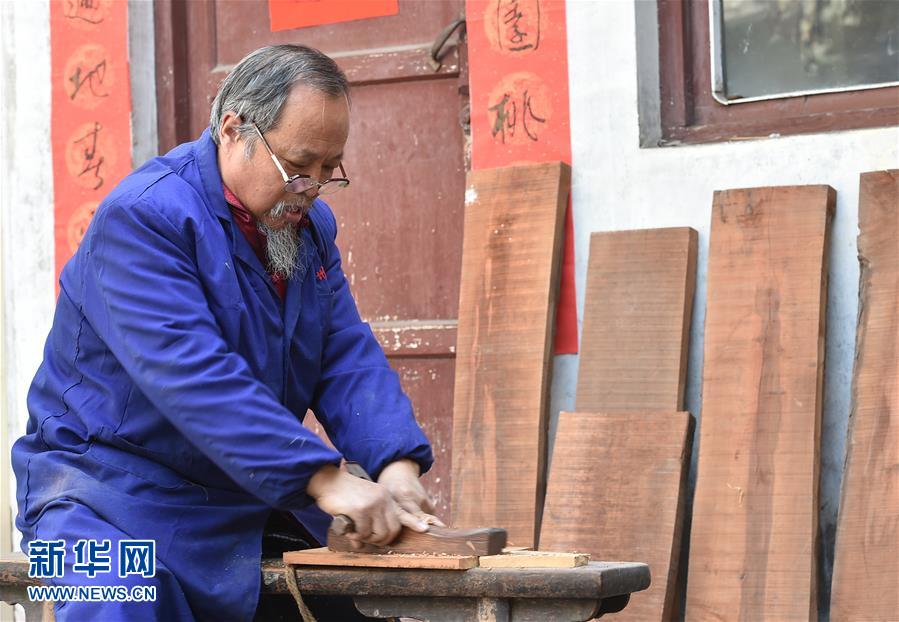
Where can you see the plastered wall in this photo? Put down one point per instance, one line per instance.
(26, 211)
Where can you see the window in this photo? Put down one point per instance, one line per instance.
(793, 67)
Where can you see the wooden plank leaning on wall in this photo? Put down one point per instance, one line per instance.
(866, 562)
(510, 278)
(619, 464)
(638, 305)
(753, 543)
(616, 492)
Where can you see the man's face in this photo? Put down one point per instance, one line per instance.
(308, 140)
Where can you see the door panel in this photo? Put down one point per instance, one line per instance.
(400, 221)
(401, 224)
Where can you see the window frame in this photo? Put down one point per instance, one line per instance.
(690, 114)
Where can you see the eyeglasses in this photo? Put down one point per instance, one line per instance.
(298, 184)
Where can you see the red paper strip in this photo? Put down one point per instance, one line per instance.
(519, 106)
(90, 121)
(288, 14)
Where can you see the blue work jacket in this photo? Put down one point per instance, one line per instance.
(174, 382)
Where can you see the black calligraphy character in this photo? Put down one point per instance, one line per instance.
(507, 117)
(504, 119)
(89, 152)
(527, 111)
(93, 78)
(85, 10)
(512, 18)
(518, 29)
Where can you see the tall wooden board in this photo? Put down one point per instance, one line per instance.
(615, 491)
(637, 310)
(753, 539)
(866, 563)
(510, 277)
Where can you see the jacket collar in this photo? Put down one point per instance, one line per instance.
(207, 160)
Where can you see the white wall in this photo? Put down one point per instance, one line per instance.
(26, 210)
(26, 225)
(619, 185)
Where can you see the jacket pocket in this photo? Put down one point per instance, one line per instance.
(325, 303)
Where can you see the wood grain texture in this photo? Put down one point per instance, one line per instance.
(755, 511)
(534, 559)
(616, 491)
(866, 562)
(637, 310)
(441, 540)
(510, 275)
(324, 557)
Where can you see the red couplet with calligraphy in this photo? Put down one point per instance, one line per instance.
(519, 106)
(287, 14)
(91, 112)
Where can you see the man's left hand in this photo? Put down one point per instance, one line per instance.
(400, 478)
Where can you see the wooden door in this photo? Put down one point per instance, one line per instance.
(400, 222)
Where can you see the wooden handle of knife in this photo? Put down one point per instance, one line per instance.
(342, 525)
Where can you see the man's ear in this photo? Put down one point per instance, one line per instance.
(228, 133)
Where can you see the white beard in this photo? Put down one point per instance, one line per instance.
(284, 244)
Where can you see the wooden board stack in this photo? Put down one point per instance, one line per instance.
(753, 540)
(866, 563)
(510, 276)
(619, 464)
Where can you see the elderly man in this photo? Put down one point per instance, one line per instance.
(203, 314)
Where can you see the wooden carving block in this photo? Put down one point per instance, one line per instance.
(866, 561)
(754, 535)
(436, 540)
(534, 559)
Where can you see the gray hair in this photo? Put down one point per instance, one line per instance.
(258, 86)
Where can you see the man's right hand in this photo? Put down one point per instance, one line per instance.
(371, 507)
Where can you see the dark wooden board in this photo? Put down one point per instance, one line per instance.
(510, 274)
(436, 540)
(866, 563)
(616, 491)
(753, 541)
(638, 304)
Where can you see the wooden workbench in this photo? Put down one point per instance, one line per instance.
(482, 594)
(477, 594)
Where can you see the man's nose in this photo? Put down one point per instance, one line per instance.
(315, 174)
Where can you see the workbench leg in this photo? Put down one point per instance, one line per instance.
(35, 611)
(438, 609)
(435, 609)
(493, 610)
